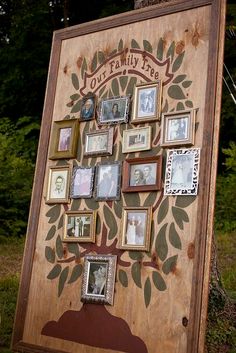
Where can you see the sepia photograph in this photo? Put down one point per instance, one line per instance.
(82, 182)
(178, 128)
(138, 139)
(107, 181)
(136, 228)
(98, 279)
(99, 142)
(58, 185)
(114, 110)
(88, 108)
(147, 102)
(79, 226)
(182, 172)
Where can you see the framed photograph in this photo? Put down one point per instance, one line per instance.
(107, 181)
(99, 279)
(82, 182)
(64, 139)
(178, 128)
(58, 184)
(136, 228)
(79, 226)
(138, 139)
(182, 170)
(114, 110)
(88, 108)
(147, 102)
(142, 174)
(99, 142)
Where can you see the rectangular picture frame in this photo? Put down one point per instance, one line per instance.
(177, 129)
(64, 139)
(137, 139)
(142, 174)
(82, 182)
(88, 108)
(107, 181)
(79, 226)
(182, 169)
(114, 110)
(58, 184)
(135, 228)
(99, 142)
(98, 280)
(147, 102)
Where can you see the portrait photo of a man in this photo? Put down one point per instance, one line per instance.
(88, 108)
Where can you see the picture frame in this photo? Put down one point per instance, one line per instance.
(64, 139)
(79, 226)
(82, 182)
(178, 128)
(142, 174)
(147, 102)
(135, 228)
(88, 107)
(58, 184)
(182, 169)
(99, 142)
(98, 280)
(137, 139)
(114, 110)
(107, 181)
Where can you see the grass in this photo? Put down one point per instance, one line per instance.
(221, 331)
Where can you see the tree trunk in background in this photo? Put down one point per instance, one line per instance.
(138, 4)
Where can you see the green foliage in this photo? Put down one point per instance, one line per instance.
(17, 159)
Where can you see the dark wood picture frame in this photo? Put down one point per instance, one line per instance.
(88, 108)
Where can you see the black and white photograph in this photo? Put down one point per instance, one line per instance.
(58, 185)
(182, 172)
(79, 226)
(82, 182)
(138, 139)
(107, 181)
(114, 110)
(99, 142)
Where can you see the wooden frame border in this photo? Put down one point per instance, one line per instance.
(198, 311)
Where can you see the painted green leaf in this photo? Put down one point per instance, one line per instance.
(165, 108)
(102, 90)
(174, 237)
(54, 213)
(110, 221)
(161, 244)
(54, 273)
(147, 292)
(113, 52)
(76, 273)
(176, 92)
(59, 247)
(183, 201)
(62, 280)
(196, 126)
(171, 51)
(60, 223)
(186, 84)
(118, 208)
(61, 162)
(94, 62)
(180, 106)
(132, 199)
(75, 204)
(115, 87)
(163, 210)
(180, 216)
(147, 46)
(160, 49)
(179, 78)
(50, 254)
(169, 264)
(150, 200)
(123, 278)
(123, 82)
(67, 117)
(91, 204)
(98, 224)
(101, 57)
(75, 81)
(136, 274)
(76, 107)
(73, 248)
(51, 233)
(131, 84)
(84, 68)
(189, 104)
(120, 45)
(178, 62)
(74, 97)
(134, 44)
(158, 281)
(136, 255)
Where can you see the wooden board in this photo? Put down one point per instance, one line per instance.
(160, 298)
